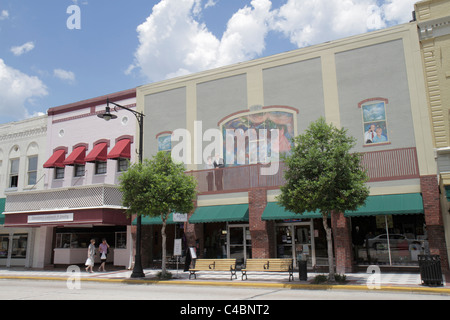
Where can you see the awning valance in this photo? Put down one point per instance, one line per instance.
(122, 149)
(76, 157)
(98, 153)
(56, 160)
(155, 220)
(226, 213)
(409, 203)
(274, 211)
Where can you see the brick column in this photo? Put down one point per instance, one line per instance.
(194, 232)
(433, 218)
(262, 232)
(342, 243)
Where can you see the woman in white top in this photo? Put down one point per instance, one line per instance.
(91, 256)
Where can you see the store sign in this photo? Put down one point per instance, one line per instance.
(179, 217)
(47, 218)
(177, 247)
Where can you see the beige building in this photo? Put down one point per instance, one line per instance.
(433, 19)
(374, 80)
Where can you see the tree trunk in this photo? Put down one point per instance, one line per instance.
(164, 255)
(329, 247)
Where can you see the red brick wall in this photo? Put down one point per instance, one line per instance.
(262, 232)
(342, 243)
(433, 218)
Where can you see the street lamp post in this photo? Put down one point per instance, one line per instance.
(138, 272)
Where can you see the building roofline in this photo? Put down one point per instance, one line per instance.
(117, 96)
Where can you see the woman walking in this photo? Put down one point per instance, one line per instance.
(103, 250)
(91, 256)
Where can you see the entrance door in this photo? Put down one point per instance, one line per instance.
(294, 238)
(239, 243)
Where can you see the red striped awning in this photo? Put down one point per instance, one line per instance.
(76, 157)
(56, 160)
(99, 153)
(122, 149)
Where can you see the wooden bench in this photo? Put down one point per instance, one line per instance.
(273, 265)
(214, 265)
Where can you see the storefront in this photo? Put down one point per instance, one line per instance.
(71, 244)
(389, 230)
(226, 232)
(65, 234)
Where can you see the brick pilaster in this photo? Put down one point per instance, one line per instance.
(342, 243)
(433, 218)
(262, 232)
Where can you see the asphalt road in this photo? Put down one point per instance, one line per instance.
(59, 290)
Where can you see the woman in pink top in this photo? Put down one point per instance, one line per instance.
(103, 249)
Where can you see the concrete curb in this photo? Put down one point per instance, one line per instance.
(292, 286)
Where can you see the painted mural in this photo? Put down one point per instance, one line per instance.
(375, 127)
(261, 150)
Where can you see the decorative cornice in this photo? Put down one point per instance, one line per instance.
(24, 134)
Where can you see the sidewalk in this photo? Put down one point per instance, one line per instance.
(409, 282)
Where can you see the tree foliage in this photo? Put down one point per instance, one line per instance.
(323, 176)
(156, 188)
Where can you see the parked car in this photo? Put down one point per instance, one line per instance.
(398, 241)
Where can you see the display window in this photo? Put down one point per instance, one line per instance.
(73, 238)
(4, 245)
(19, 246)
(391, 240)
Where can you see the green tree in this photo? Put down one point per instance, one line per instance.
(157, 188)
(323, 176)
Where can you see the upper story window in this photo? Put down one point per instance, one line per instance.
(14, 173)
(374, 121)
(122, 164)
(32, 170)
(79, 170)
(100, 167)
(258, 136)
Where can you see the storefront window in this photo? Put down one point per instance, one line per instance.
(389, 240)
(19, 246)
(74, 238)
(121, 240)
(4, 245)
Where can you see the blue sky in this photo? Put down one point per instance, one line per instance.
(124, 44)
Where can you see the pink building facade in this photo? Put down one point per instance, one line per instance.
(81, 200)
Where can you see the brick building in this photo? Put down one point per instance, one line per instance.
(371, 84)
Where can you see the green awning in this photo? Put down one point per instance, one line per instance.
(274, 211)
(227, 213)
(155, 220)
(447, 192)
(410, 203)
(2, 209)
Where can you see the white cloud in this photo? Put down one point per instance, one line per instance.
(20, 50)
(398, 10)
(4, 14)
(173, 42)
(210, 3)
(64, 75)
(16, 89)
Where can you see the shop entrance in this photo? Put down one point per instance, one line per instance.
(239, 242)
(294, 238)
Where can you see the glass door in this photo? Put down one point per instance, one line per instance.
(239, 243)
(296, 238)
